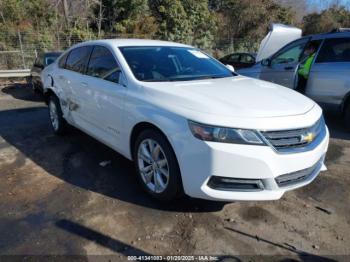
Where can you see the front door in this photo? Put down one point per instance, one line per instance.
(283, 64)
(104, 95)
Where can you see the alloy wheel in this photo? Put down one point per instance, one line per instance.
(153, 165)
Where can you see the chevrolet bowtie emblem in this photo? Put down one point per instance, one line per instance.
(307, 138)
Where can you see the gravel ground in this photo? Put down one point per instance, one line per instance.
(55, 199)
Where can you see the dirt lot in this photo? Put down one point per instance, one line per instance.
(55, 199)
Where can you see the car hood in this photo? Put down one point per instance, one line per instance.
(253, 71)
(237, 96)
(278, 36)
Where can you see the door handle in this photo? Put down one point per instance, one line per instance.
(289, 68)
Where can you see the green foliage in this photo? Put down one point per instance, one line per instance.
(332, 18)
(214, 25)
(186, 21)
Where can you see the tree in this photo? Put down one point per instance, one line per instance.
(186, 21)
(327, 20)
(243, 23)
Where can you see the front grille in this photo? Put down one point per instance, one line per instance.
(294, 178)
(286, 140)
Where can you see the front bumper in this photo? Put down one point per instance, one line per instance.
(199, 161)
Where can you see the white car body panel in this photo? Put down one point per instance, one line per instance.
(278, 36)
(109, 113)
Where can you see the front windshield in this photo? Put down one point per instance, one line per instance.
(165, 63)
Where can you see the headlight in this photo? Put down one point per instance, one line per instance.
(224, 134)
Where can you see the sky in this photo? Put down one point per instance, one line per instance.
(319, 5)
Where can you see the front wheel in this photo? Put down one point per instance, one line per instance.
(156, 166)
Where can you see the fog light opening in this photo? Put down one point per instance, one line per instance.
(235, 184)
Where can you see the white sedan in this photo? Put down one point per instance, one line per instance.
(189, 123)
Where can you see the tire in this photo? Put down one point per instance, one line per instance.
(58, 123)
(155, 182)
(30, 82)
(347, 116)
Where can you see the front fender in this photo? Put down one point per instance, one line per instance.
(169, 123)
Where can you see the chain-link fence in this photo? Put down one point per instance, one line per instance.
(18, 50)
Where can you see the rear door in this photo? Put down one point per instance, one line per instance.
(72, 78)
(283, 64)
(329, 79)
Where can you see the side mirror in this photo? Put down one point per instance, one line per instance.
(230, 67)
(266, 62)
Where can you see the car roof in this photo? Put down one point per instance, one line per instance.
(52, 53)
(132, 42)
(329, 35)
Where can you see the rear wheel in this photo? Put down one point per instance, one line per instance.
(30, 82)
(57, 121)
(156, 166)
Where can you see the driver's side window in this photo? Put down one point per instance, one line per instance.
(290, 54)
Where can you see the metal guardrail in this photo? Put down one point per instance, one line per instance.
(14, 73)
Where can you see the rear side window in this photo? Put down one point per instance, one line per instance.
(233, 58)
(335, 50)
(103, 65)
(78, 58)
(247, 59)
(62, 61)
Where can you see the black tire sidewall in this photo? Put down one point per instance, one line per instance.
(174, 188)
(61, 122)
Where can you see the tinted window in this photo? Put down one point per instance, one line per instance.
(78, 58)
(62, 61)
(291, 53)
(50, 58)
(102, 64)
(247, 59)
(335, 50)
(164, 63)
(233, 58)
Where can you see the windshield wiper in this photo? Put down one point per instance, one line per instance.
(208, 77)
(185, 78)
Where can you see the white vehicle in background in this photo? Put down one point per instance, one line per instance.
(189, 124)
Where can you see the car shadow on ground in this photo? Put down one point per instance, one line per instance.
(80, 156)
(336, 126)
(76, 158)
(22, 91)
(101, 239)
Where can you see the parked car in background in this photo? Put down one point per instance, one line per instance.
(329, 79)
(189, 123)
(239, 60)
(43, 60)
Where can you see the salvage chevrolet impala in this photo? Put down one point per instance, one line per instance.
(190, 124)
